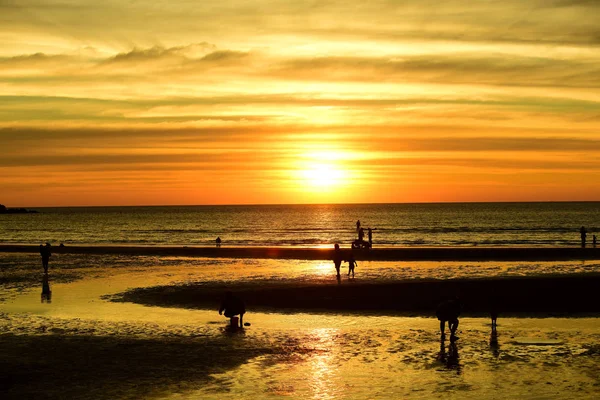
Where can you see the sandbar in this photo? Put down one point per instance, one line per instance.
(300, 253)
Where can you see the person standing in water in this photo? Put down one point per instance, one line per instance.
(583, 233)
(370, 236)
(594, 241)
(218, 241)
(337, 259)
(358, 225)
(45, 253)
(351, 265)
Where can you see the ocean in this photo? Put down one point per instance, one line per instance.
(440, 224)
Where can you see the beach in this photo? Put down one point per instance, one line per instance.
(129, 326)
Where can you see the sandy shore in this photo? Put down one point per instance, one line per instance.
(556, 295)
(55, 365)
(382, 254)
(82, 347)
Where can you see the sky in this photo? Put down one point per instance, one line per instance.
(250, 102)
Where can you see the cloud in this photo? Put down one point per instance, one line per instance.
(140, 55)
(458, 68)
(252, 87)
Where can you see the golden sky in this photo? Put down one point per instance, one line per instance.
(229, 102)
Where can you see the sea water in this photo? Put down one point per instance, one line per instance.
(442, 224)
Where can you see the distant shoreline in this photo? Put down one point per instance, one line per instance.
(302, 253)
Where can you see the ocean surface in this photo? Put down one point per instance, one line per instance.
(442, 224)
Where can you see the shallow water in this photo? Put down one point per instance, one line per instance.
(331, 356)
(226, 269)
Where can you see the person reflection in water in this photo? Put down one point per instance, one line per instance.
(46, 292)
(448, 311)
(494, 346)
(337, 260)
(449, 359)
(232, 306)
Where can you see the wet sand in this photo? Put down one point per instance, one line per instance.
(516, 296)
(83, 347)
(382, 254)
(53, 365)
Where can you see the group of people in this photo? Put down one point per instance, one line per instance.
(338, 259)
(583, 233)
(361, 243)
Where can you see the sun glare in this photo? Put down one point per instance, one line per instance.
(323, 176)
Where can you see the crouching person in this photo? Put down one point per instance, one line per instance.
(448, 311)
(232, 306)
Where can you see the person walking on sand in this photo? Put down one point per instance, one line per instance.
(232, 306)
(351, 265)
(583, 233)
(337, 259)
(45, 253)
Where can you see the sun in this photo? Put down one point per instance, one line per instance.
(323, 175)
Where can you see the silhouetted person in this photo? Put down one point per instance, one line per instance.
(46, 292)
(351, 265)
(583, 233)
(232, 306)
(218, 241)
(358, 225)
(448, 311)
(337, 259)
(45, 253)
(361, 234)
(594, 241)
(370, 236)
(493, 306)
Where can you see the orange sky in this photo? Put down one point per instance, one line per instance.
(175, 102)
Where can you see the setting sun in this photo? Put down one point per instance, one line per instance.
(323, 176)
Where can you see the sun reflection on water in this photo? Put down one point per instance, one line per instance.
(325, 383)
(324, 269)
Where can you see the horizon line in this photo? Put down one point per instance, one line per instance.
(308, 204)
